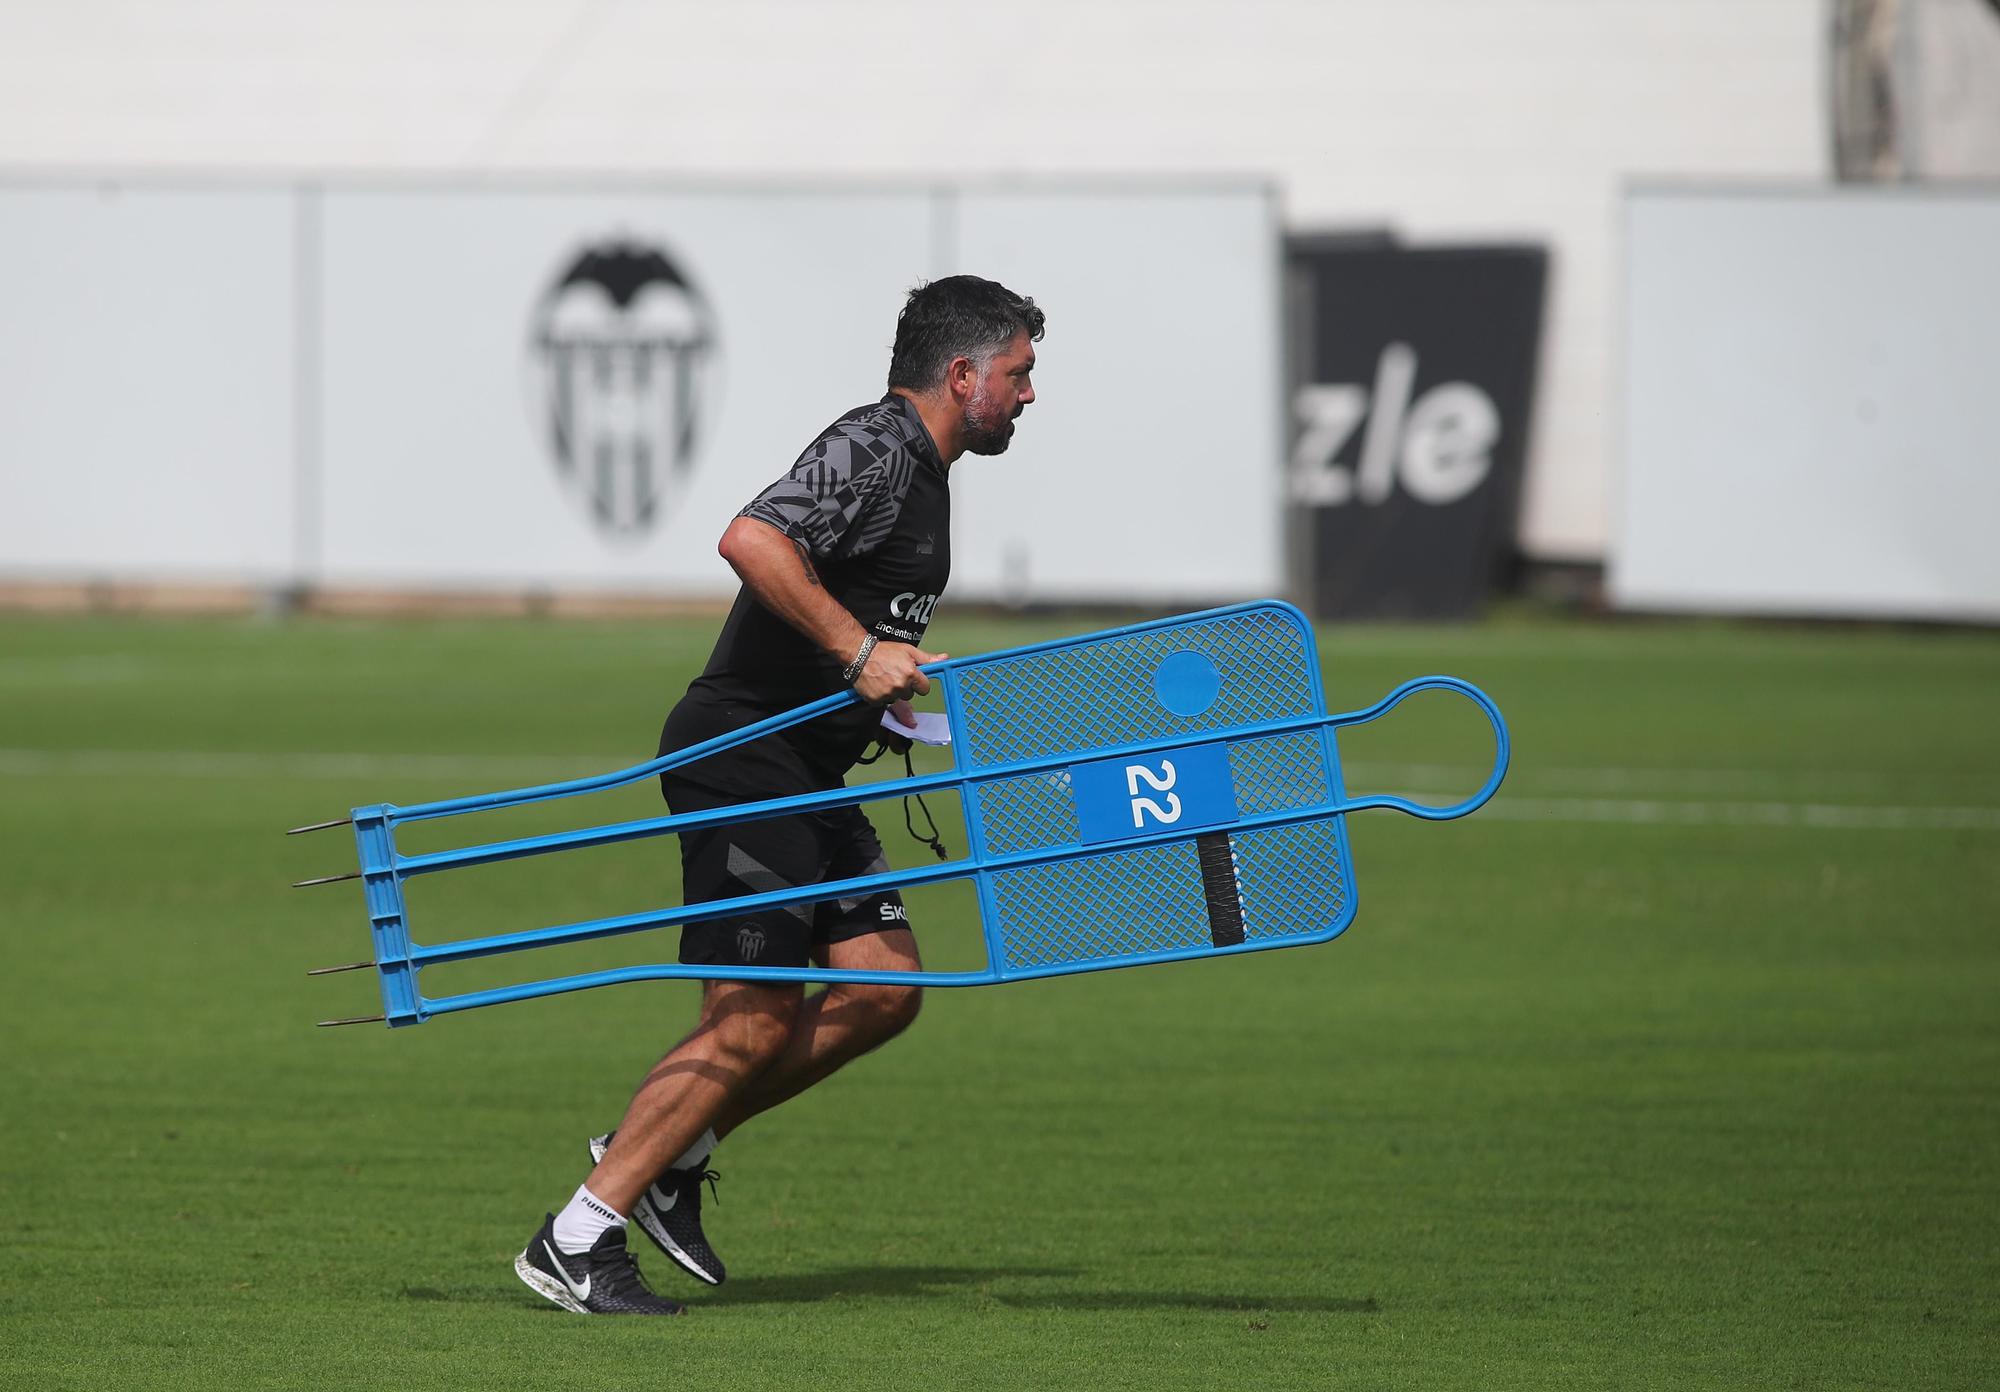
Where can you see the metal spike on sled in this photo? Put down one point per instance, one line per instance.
(1146, 794)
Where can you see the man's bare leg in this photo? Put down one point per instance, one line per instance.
(745, 1030)
(833, 1026)
(754, 1047)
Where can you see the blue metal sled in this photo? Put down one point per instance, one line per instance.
(1146, 794)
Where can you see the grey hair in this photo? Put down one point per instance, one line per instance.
(958, 317)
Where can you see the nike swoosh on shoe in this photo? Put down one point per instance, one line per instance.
(581, 1292)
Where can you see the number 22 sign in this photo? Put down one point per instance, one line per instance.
(1119, 798)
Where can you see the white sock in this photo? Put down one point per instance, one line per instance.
(698, 1153)
(582, 1221)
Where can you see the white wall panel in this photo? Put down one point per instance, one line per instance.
(146, 347)
(1808, 422)
(1149, 465)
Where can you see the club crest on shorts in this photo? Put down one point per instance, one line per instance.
(750, 942)
(623, 352)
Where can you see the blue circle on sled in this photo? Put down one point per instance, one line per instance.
(1187, 683)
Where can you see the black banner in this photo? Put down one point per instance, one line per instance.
(1414, 377)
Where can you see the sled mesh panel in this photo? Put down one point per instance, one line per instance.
(1091, 696)
(1150, 901)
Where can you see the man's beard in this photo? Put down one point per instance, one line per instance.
(987, 429)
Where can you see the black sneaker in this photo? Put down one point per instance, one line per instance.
(669, 1212)
(603, 1281)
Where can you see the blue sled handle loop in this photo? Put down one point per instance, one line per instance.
(1501, 748)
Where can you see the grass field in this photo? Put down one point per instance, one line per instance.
(1678, 1066)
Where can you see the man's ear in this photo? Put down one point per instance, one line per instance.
(961, 377)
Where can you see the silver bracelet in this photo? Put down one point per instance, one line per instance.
(851, 673)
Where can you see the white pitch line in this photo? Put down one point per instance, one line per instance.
(251, 764)
(1361, 778)
(37, 673)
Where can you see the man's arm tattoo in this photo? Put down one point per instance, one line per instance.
(805, 559)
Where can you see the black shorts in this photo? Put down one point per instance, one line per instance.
(738, 858)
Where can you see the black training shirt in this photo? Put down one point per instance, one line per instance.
(869, 500)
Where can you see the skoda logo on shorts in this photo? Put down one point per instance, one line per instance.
(750, 942)
(623, 353)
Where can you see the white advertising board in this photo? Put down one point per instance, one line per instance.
(1146, 469)
(146, 346)
(1808, 427)
(451, 351)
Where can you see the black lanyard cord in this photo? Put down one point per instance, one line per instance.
(934, 840)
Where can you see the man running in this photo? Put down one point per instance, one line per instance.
(842, 561)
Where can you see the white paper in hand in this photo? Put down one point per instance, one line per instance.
(932, 727)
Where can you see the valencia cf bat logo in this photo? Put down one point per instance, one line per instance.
(623, 355)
